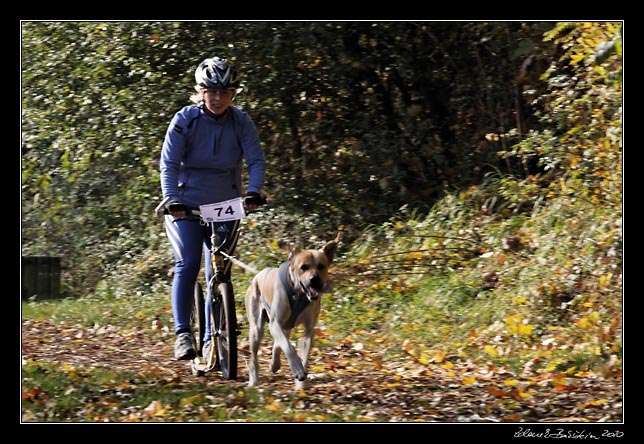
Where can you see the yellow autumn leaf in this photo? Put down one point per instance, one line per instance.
(190, 400)
(510, 382)
(447, 365)
(599, 402)
(524, 395)
(468, 380)
(155, 408)
(604, 279)
(559, 380)
(380, 339)
(525, 329)
(439, 356)
(424, 358)
(553, 365)
(576, 58)
(491, 351)
(275, 406)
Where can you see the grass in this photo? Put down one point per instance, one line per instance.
(97, 309)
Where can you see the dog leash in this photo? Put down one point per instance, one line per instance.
(239, 263)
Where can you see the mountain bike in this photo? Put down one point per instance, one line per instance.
(222, 353)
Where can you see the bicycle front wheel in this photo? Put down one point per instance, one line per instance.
(224, 322)
(198, 326)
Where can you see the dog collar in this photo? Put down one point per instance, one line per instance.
(297, 304)
(282, 272)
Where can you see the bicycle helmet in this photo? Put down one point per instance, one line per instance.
(217, 72)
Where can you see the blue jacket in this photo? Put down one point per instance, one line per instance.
(201, 158)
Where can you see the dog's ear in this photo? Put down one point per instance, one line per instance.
(330, 247)
(292, 251)
(284, 245)
(289, 248)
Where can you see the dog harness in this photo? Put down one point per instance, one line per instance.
(297, 302)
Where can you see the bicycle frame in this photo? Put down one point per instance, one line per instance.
(216, 256)
(220, 315)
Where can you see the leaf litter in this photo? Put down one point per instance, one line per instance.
(350, 381)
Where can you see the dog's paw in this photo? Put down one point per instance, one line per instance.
(300, 375)
(301, 385)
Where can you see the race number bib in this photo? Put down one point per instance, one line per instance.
(223, 211)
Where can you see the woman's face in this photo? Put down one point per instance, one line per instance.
(218, 100)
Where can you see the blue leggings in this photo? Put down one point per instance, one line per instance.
(188, 239)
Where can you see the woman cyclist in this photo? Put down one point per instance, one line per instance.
(202, 159)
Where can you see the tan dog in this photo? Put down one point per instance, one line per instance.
(286, 297)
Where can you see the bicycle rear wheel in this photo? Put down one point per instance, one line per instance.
(198, 318)
(224, 322)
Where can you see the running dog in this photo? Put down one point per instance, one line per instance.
(286, 297)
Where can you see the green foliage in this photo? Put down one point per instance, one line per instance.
(356, 118)
(580, 151)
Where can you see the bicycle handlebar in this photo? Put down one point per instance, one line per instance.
(163, 208)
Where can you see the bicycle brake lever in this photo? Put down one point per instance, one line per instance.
(160, 209)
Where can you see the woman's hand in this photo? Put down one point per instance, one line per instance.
(177, 209)
(252, 201)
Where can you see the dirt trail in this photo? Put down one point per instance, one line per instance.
(344, 376)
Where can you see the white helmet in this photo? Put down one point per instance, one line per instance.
(216, 72)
